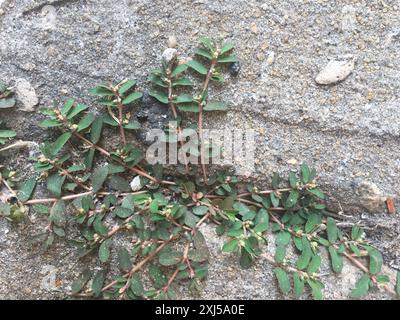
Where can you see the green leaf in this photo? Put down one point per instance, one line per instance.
(132, 125)
(98, 178)
(227, 46)
(323, 241)
(283, 280)
(245, 259)
(182, 82)
(257, 198)
(59, 231)
(160, 96)
(312, 222)
(99, 227)
(120, 184)
(7, 134)
(332, 230)
(375, 261)
(292, 199)
(124, 260)
(132, 97)
(197, 66)
(154, 206)
(283, 238)
(228, 59)
(158, 81)
(27, 189)
(104, 250)
(60, 142)
(200, 210)
(362, 286)
(126, 86)
(157, 276)
(306, 254)
(67, 106)
(76, 168)
(95, 132)
(136, 285)
(298, 285)
(101, 91)
(292, 180)
(274, 200)
(355, 249)
(79, 283)
(204, 53)
(215, 106)
(55, 183)
(205, 41)
(262, 217)
(336, 259)
(122, 212)
(41, 208)
(356, 233)
(50, 123)
(280, 253)
(230, 245)
(382, 279)
(314, 264)
(276, 180)
(88, 161)
(305, 173)
(317, 192)
(98, 282)
(191, 219)
(77, 110)
(201, 252)
(85, 122)
(179, 69)
(184, 98)
(316, 288)
(7, 103)
(57, 213)
(261, 227)
(169, 257)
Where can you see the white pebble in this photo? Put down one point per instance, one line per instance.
(26, 94)
(335, 71)
(172, 42)
(136, 184)
(169, 55)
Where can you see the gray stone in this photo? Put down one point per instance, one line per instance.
(26, 95)
(169, 55)
(370, 196)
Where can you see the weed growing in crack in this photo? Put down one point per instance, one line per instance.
(154, 231)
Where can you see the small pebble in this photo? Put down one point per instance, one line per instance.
(172, 42)
(253, 28)
(136, 184)
(169, 55)
(335, 71)
(234, 68)
(271, 58)
(26, 94)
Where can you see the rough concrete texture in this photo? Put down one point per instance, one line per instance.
(347, 130)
